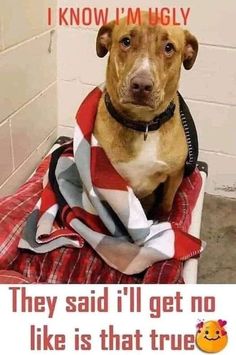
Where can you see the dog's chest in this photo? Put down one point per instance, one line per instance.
(139, 171)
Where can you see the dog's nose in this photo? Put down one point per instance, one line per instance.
(141, 85)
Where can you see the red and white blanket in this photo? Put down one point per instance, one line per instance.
(78, 265)
(85, 199)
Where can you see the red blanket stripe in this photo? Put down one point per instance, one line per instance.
(103, 173)
(86, 110)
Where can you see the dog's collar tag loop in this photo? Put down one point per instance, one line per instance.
(146, 132)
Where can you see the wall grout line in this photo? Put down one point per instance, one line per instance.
(29, 102)
(77, 28)
(37, 148)
(14, 46)
(78, 80)
(63, 126)
(228, 155)
(217, 45)
(29, 157)
(12, 150)
(209, 102)
(2, 44)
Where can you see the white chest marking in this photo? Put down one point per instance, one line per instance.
(140, 170)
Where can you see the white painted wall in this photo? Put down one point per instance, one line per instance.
(28, 90)
(210, 87)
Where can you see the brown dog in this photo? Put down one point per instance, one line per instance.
(142, 80)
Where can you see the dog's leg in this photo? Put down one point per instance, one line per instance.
(171, 186)
(148, 202)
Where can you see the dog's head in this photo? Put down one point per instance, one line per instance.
(144, 63)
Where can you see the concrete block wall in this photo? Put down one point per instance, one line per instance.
(209, 88)
(28, 89)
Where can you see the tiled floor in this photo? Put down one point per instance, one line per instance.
(218, 262)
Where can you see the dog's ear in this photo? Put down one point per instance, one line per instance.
(190, 50)
(104, 39)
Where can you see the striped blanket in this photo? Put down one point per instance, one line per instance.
(85, 199)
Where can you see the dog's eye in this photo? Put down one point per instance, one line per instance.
(217, 332)
(126, 42)
(169, 48)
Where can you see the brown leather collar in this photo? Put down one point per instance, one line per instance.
(140, 126)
